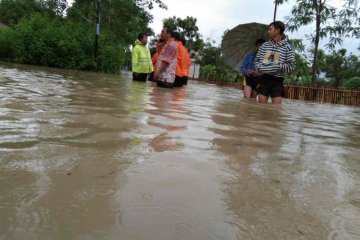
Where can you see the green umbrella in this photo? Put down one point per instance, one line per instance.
(240, 41)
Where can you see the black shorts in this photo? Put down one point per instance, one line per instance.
(178, 81)
(140, 77)
(151, 77)
(252, 82)
(271, 86)
(164, 84)
(185, 80)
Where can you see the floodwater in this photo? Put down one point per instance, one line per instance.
(95, 156)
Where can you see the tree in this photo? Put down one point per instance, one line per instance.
(338, 66)
(352, 83)
(149, 4)
(124, 18)
(335, 66)
(213, 65)
(329, 22)
(12, 11)
(57, 7)
(188, 29)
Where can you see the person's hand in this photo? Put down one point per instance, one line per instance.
(156, 75)
(249, 73)
(256, 74)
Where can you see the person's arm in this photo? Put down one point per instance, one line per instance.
(289, 64)
(154, 58)
(258, 58)
(245, 65)
(134, 57)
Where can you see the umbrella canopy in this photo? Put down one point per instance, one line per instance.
(240, 41)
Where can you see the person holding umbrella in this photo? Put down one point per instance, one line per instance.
(251, 76)
(274, 58)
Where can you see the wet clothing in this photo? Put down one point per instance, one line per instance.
(164, 84)
(187, 65)
(141, 59)
(273, 60)
(178, 81)
(271, 86)
(253, 82)
(248, 65)
(180, 65)
(140, 77)
(168, 55)
(153, 60)
(187, 62)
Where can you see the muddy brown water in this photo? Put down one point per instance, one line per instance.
(95, 156)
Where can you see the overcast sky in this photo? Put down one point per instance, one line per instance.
(216, 16)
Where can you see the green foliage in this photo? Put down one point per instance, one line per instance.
(46, 41)
(12, 11)
(56, 7)
(112, 56)
(329, 22)
(339, 66)
(211, 55)
(186, 26)
(188, 29)
(149, 4)
(352, 83)
(225, 73)
(42, 34)
(207, 71)
(124, 19)
(218, 73)
(297, 80)
(213, 66)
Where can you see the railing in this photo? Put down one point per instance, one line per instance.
(323, 95)
(315, 94)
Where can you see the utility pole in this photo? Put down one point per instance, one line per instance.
(97, 33)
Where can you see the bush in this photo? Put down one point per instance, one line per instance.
(352, 83)
(7, 46)
(53, 42)
(207, 72)
(294, 80)
(218, 73)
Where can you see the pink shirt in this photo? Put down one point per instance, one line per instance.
(168, 55)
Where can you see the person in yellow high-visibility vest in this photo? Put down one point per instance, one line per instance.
(141, 59)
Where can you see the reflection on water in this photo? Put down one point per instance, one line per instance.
(94, 156)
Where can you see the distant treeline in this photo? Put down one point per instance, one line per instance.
(48, 33)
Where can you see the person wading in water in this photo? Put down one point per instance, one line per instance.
(274, 58)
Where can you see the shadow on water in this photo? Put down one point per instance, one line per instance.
(96, 156)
